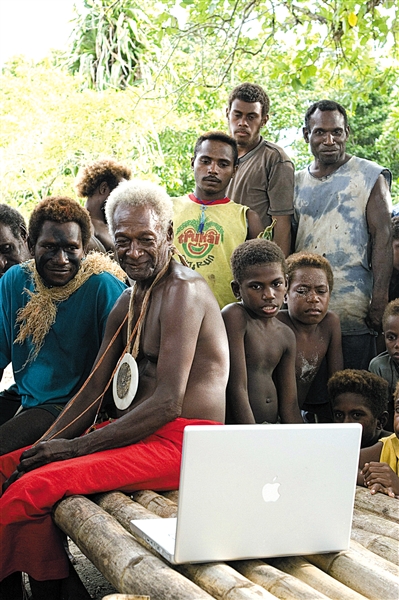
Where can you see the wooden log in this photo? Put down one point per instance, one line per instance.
(172, 495)
(121, 559)
(302, 569)
(379, 544)
(224, 582)
(282, 585)
(218, 579)
(379, 504)
(125, 597)
(363, 519)
(379, 561)
(156, 503)
(360, 570)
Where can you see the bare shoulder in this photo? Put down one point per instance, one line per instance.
(184, 287)
(235, 315)
(284, 332)
(330, 323)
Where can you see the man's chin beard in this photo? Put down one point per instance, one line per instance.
(243, 144)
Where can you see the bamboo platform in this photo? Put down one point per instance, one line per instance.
(100, 527)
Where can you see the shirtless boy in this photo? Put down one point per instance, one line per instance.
(317, 330)
(379, 464)
(183, 370)
(261, 385)
(358, 396)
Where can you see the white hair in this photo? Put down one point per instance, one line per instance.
(138, 192)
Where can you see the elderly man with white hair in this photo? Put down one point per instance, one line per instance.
(170, 323)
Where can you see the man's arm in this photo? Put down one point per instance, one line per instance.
(335, 360)
(379, 477)
(379, 224)
(282, 233)
(255, 226)
(284, 377)
(237, 387)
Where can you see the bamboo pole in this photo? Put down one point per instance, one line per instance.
(379, 504)
(218, 579)
(302, 569)
(119, 557)
(363, 519)
(282, 585)
(360, 570)
(379, 544)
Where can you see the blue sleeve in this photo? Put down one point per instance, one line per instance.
(109, 290)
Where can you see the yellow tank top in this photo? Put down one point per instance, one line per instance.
(390, 452)
(207, 235)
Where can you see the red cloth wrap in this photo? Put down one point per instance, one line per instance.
(29, 539)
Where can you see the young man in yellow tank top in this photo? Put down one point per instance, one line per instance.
(209, 226)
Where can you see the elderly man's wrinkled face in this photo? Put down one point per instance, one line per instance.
(141, 244)
(13, 250)
(58, 252)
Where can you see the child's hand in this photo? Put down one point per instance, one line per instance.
(379, 477)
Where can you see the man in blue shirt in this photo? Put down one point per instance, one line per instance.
(52, 316)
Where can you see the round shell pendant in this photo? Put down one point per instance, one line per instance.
(125, 383)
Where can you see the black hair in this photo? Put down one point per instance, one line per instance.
(255, 252)
(250, 92)
(217, 136)
(14, 220)
(325, 105)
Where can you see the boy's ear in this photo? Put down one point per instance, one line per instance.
(235, 286)
(382, 421)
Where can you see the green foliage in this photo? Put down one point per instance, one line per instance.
(299, 40)
(143, 85)
(106, 44)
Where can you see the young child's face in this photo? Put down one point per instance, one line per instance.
(353, 408)
(308, 295)
(391, 335)
(263, 289)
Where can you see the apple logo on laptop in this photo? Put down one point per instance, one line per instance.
(270, 491)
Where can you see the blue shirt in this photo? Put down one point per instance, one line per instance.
(70, 347)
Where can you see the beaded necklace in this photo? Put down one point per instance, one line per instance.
(204, 204)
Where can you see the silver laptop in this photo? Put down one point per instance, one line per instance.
(257, 491)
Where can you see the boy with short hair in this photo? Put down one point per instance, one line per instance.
(379, 464)
(261, 385)
(358, 396)
(386, 364)
(317, 330)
